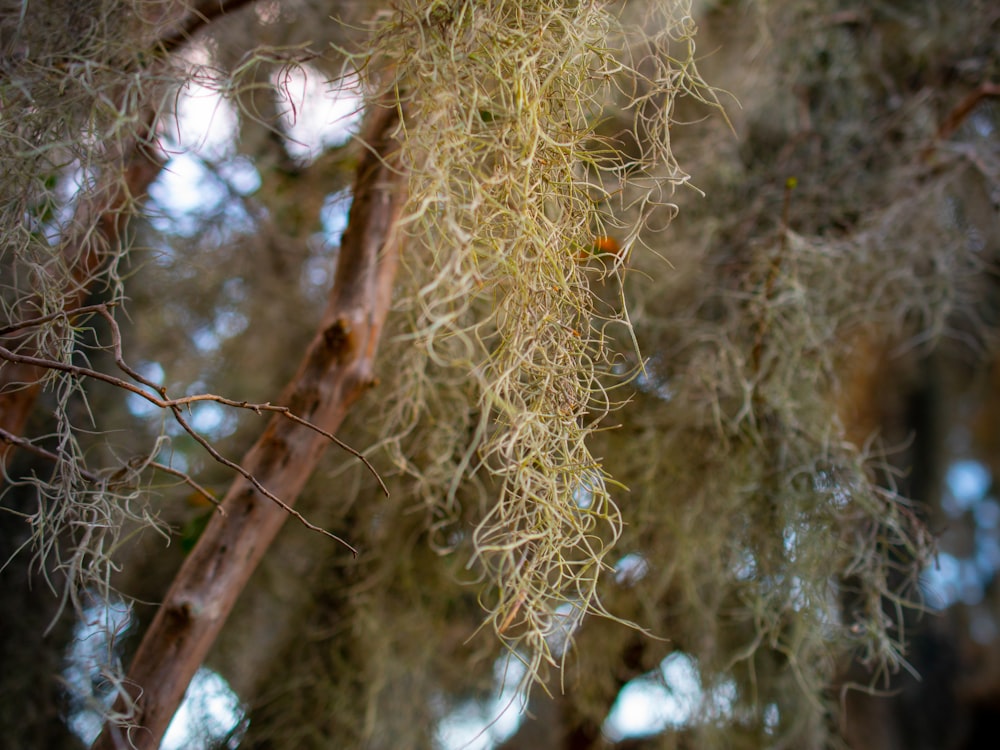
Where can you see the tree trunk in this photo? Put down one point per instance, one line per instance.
(336, 370)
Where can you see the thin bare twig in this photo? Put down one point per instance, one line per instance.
(257, 408)
(962, 110)
(175, 406)
(29, 446)
(23, 325)
(94, 478)
(254, 481)
(103, 212)
(162, 400)
(959, 112)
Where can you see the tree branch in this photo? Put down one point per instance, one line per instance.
(174, 404)
(336, 370)
(100, 216)
(958, 114)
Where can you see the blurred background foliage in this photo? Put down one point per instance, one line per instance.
(818, 404)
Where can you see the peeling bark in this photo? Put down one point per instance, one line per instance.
(336, 370)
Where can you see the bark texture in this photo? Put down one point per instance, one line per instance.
(336, 369)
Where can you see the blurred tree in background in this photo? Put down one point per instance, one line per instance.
(678, 364)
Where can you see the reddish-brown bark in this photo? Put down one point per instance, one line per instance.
(335, 371)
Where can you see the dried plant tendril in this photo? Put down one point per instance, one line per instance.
(512, 187)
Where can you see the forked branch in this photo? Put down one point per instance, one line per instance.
(102, 212)
(163, 401)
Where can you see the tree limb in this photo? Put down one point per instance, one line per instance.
(337, 369)
(163, 401)
(959, 113)
(101, 215)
